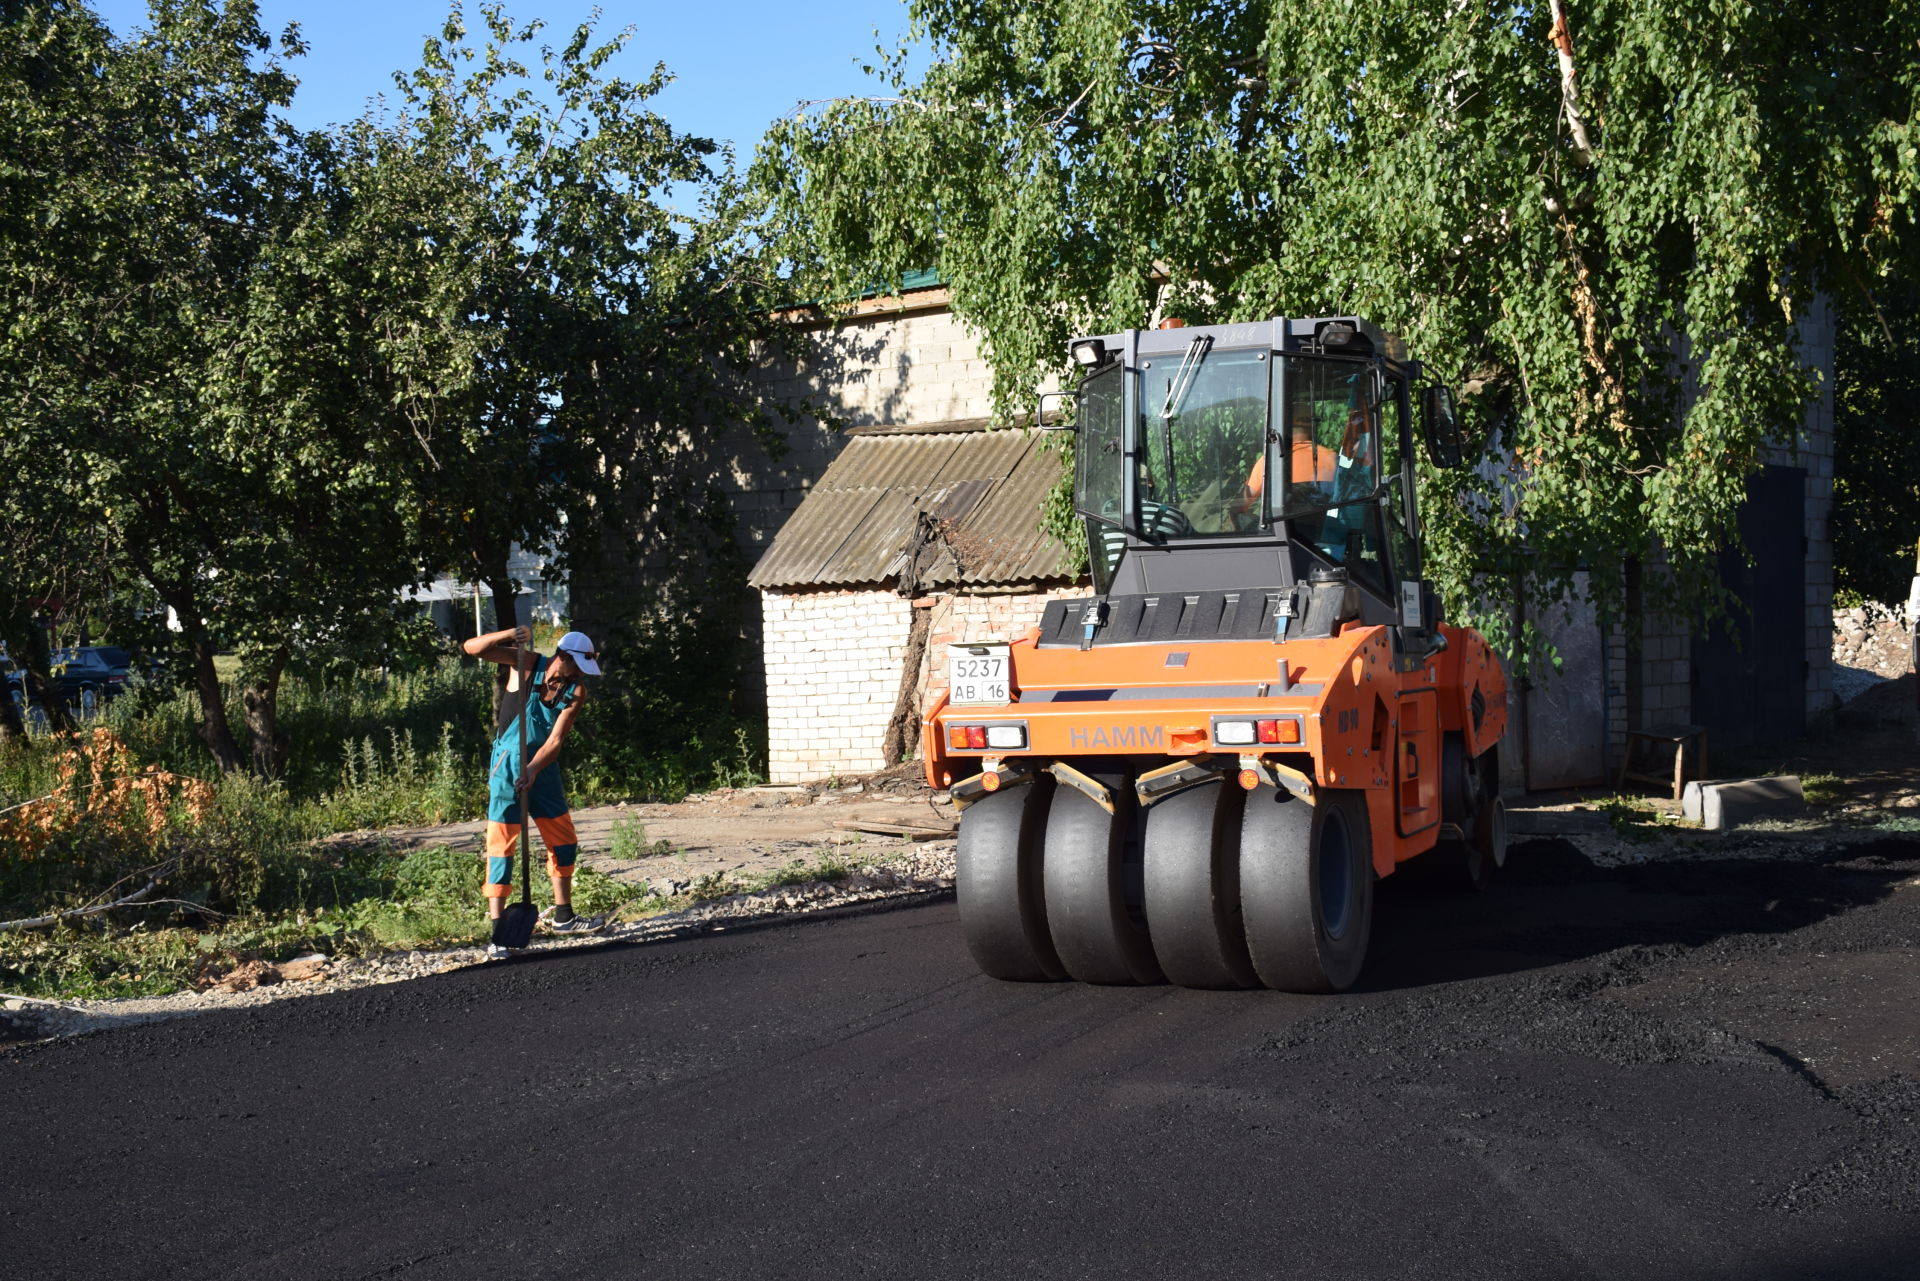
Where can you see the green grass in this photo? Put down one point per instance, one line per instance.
(361, 901)
(1635, 818)
(1823, 789)
(251, 877)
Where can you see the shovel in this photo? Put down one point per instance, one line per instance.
(514, 926)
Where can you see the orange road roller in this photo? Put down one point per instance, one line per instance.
(1197, 773)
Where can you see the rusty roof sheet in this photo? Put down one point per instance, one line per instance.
(951, 506)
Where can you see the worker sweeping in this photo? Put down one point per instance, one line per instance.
(517, 786)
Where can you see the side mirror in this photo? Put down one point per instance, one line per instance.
(1446, 446)
(1040, 411)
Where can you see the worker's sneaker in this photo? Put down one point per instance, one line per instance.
(497, 953)
(576, 924)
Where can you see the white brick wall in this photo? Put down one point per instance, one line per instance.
(833, 668)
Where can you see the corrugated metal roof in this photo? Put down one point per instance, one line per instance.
(940, 505)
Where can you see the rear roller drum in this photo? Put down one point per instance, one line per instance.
(1306, 888)
(1092, 886)
(1193, 888)
(997, 884)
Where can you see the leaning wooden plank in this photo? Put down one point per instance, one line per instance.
(912, 831)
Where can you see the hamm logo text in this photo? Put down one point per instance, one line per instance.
(1134, 737)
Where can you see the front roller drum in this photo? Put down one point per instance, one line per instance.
(1193, 887)
(1306, 888)
(1092, 879)
(997, 884)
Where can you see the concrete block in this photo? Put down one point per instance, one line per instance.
(1724, 804)
(1530, 822)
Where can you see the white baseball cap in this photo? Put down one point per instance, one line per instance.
(577, 647)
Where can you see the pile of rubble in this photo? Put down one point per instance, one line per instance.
(1874, 640)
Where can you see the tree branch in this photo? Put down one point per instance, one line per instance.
(1569, 93)
(41, 922)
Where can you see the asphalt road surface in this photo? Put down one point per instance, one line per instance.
(1687, 1072)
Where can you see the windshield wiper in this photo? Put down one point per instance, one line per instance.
(1177, 389)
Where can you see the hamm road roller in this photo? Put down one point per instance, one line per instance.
(1197, 773)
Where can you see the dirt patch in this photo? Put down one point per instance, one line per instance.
(747, 832)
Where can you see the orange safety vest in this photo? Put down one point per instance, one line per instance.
(1307, 461)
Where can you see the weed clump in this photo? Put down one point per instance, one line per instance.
(628, 839)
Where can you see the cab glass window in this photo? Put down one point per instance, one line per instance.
(1099, 446)
(1330, 458)
(1203, 415)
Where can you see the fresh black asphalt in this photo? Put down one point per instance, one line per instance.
(1705, 1071)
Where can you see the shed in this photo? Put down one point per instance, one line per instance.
(914, 538)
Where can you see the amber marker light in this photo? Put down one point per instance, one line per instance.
(990, 781)
(1249, 779)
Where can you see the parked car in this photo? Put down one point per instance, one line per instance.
(122, 661)
(82, 676)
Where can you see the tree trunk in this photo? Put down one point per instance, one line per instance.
(262, 700)
(903, 727)
(37, 675)
(214, 729)
(13, 730)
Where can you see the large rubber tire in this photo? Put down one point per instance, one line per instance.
(1306, 888)
(1489, 836)
(1091, 873)
(1193, 887)
(997, 884)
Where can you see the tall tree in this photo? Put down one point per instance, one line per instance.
(563, 283)
(1604, 221)
(179, 385)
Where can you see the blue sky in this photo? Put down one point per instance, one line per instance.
(739, 63)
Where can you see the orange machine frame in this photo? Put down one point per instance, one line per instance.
(1370, 723)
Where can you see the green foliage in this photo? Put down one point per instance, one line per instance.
(401, 786)
(1876, 423)
(666, 721)
(1823, 790)
(268, 378)
(335, 723)
(1614, 280)
(194, 398)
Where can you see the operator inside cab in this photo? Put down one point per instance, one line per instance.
(1319, 473)
(1307, 461)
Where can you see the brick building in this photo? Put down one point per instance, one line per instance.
(916, 537)
(897, 370)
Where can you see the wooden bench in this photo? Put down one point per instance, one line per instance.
(1654, 737)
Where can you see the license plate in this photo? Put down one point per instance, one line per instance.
(978, 674)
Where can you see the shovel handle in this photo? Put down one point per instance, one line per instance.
(524, 794)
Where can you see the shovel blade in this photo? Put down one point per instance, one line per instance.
(514, 926)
